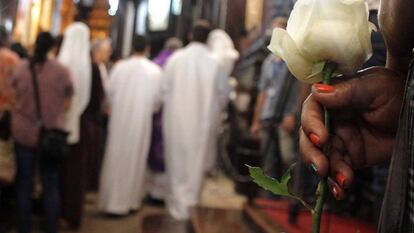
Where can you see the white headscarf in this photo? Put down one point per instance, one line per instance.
(75, 54)
(373, 4)
(223, 50)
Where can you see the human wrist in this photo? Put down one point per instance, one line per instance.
(399, 64)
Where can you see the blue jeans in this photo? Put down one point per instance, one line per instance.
(26, 163)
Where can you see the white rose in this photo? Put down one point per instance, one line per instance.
(324, 30)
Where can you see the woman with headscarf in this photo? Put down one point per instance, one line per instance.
(222, 48)
(75, 54)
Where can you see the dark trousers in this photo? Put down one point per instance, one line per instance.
(26, 163)
(79, 168)
(272, 161)
(73, 186)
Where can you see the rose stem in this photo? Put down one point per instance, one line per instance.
(321, 191)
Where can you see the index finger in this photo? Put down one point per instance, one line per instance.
(312, 120)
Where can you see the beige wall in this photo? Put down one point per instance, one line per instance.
(254, 14)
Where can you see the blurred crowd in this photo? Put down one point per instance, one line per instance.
(127, 129)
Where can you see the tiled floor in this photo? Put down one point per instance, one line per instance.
(163, 223)
(208, 220)
(218, 192)
(96, 222)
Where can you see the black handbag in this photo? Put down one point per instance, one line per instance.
(52, 143)
(5, 130)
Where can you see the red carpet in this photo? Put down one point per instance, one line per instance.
(331, 223)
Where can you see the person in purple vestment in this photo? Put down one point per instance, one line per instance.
(156, 155)
(170, 46)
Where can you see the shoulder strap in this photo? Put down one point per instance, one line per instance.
(36, 91)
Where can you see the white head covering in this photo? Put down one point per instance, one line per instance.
(75, 54)
(373, 4)
(223, 49)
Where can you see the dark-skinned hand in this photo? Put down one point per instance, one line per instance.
(364, 113)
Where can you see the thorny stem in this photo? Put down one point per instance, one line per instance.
(322, 186)
(304, 203)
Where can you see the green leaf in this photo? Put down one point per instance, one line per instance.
(271, 184)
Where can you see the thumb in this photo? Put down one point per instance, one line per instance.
(357, 92)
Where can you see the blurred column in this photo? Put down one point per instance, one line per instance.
(56, 18)
(223, 14)
(123, 26)
(45, 17)
(29, 20)
(117, 28)
(129, 19)
(185, 20)
(235, 20)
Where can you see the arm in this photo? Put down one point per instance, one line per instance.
(397, 25)
(261, 98)
(256, 124)
(7, 95)
(8, 72)
(297, 95)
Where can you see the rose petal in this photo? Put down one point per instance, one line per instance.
(334, 30)
(285, 47)
(317, 69)
(350, 2)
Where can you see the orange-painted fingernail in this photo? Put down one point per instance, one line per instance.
(340, 179)
(324, 88)
(334, 187)
(314, 139)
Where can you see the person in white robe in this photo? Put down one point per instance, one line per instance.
(134, 96)
(191, 92)
(157, 179)
(222, 48)
(75, 54)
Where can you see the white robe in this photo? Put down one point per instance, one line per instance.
(190, 86)
(75, 54)
(134, 95)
